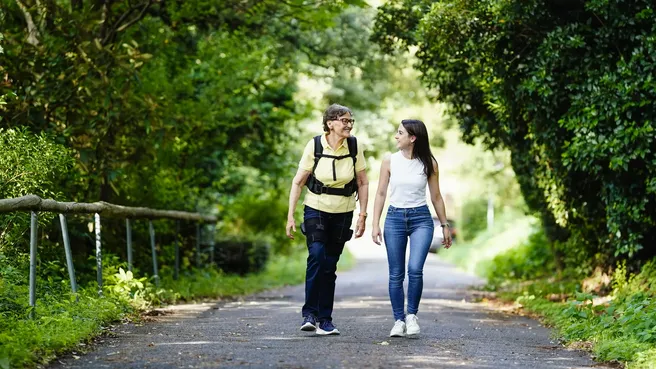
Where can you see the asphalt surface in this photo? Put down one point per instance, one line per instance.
(262, 331)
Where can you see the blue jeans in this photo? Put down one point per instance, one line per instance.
(401, 224)
(326, 234)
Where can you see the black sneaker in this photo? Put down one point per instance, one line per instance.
(327, 327)
(309, 324)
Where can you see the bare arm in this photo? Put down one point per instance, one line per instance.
(363, 195)
(438, 203)
(294, 194)
(381, 194)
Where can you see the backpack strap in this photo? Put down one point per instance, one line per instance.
(352, 144)
(318, 152)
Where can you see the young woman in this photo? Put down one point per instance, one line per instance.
(333, 168)
(408, 172)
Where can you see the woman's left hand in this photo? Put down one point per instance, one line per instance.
(446, 241)
(360, 226)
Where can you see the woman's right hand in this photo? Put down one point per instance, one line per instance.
(291, 227)
(376, 235)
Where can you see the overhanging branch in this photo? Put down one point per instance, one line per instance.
(32, 30)
(120, 26)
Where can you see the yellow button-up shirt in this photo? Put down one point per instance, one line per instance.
(324, 173)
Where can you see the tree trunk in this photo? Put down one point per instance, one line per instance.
(32, 30)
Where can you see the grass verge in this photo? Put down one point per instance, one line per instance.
(617, 328)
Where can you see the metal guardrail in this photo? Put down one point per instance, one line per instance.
(35, 204)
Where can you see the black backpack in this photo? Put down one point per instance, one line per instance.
(316, 186)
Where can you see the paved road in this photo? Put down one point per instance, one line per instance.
(262, 331)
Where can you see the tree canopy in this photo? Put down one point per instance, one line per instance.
(568, 87)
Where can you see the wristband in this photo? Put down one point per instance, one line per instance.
(363, 215)
(445, 225)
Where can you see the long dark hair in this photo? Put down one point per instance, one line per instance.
(421, 148)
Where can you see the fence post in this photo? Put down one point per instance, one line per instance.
(99, 275)
(152, 247)
(197, 245)
(128, 235)
(33, 234)
(69, 255)
(212, 230)
(176, 271)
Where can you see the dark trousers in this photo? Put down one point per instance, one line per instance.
(326, 234)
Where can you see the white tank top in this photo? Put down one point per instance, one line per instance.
(407, 182)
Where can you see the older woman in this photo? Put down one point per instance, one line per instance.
(334, 169)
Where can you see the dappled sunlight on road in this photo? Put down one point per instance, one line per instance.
(263, 330)
(259, 304)
(190, 343)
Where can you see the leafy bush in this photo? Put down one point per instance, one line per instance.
(532, 259)
(259, 210)
(241, 256)
(29, 164)
(510, 231)
(474, 218)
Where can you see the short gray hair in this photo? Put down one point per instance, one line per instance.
(334, 111)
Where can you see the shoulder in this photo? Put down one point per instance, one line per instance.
(309, 146)
(387, 159)
(393, 156)
(314, 139)
(435, 165)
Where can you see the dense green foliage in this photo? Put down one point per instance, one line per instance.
(567, 87)
(174, 105)
(28, 164)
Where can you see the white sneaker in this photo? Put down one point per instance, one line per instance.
(399, 329)
(412, 325)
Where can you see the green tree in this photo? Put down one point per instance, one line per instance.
(565, 86)
(172, 104)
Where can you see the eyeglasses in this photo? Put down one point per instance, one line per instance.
(346, 121)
